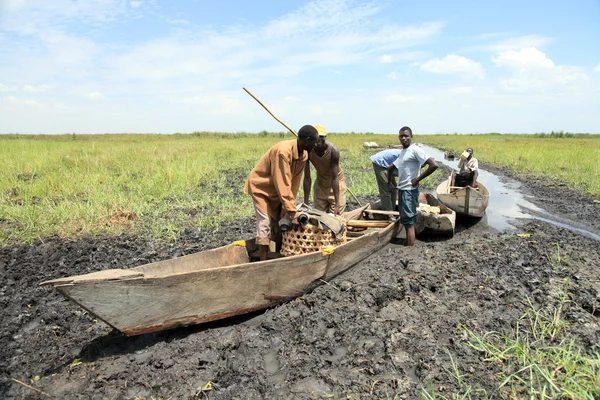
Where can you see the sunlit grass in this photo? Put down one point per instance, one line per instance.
(572, 159)
(69, 185)
(84, 184)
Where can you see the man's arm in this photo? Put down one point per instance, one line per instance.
(307, 183)
(335, 181)
(431, 167)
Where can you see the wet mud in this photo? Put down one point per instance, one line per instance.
(380, 330)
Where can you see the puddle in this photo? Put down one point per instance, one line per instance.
(507, 204)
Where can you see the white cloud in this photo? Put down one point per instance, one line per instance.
(454, 64)
(136, 4)
(597, 69)
(517, 43)
(398, 98)
(36, 17)
(12, 100)
(7, 88)
(555, 80)
(461, 90)
(40, 88)
(528, 58)
(392, 75)
(386, 58)
(94, 95)
(532, 71)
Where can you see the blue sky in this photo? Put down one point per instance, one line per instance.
(439, 66)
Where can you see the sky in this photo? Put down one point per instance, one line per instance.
(180, 66)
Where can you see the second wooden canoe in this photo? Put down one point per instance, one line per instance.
(469, 201)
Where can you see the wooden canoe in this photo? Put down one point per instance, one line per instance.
(469, 201)
(212, 284)
(433, 217)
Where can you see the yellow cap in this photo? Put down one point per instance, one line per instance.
(321, 129)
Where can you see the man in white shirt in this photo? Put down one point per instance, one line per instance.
(467, 174)
(408, 164)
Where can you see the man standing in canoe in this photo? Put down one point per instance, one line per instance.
(408, 164)
(468, 169)
(381, 161)
(274, 183)
(330, 186)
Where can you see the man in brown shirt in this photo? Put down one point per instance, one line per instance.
(330, 186)
(274, 183)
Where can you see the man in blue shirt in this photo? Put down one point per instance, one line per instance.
(381, 161)
(408, 164)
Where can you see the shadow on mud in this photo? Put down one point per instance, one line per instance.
(117, 344)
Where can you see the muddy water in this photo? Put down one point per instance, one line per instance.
(508, 206)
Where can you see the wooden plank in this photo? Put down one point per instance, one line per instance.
(106, 275)
(382, 212)
(358, 223)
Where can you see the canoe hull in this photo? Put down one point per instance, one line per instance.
(210, 285)
(466, 201)
(441, 224)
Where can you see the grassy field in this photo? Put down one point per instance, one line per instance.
(573, 159)
(156, 185)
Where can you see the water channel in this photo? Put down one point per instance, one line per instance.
(507, 203)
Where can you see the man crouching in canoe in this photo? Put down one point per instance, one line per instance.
(274, 183)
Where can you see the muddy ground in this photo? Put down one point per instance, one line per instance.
(380, 330)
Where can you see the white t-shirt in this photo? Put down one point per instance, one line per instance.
(468, 166)
(409, 165)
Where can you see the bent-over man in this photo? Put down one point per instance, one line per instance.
(330, 185)
(274, 183)
(381, 161)
(408, 164)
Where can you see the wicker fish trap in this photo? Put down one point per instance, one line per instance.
(308, 239)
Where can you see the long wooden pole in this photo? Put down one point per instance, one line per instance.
(353, 195)
(289, 129)
(272, 115)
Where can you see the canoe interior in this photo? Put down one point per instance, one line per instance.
(464, 200)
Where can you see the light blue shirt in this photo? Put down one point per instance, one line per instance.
(385, 158)
(409, 163)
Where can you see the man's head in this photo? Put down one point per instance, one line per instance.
(405, 136)
(321, 141)
(307, 137)
(470, 151)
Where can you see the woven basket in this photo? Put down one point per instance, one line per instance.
(308, 239)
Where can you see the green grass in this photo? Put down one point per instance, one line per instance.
(71, 185)
(156, 185)
(572, 159)
(538, 360)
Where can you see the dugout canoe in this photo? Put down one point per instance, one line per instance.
(433, 217)
(469, 201)
(214, 284)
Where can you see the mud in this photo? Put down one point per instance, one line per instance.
(380, 330)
